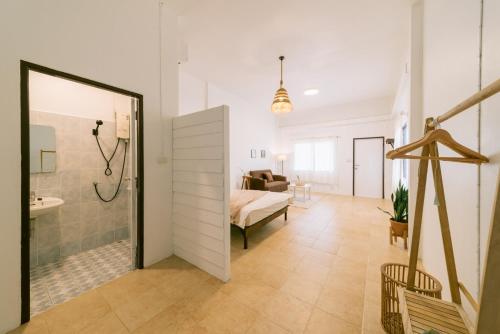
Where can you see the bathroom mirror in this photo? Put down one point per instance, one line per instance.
(42, 149)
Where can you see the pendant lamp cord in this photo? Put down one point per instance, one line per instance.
(281, 76)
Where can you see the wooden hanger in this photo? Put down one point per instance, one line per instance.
(438, 136)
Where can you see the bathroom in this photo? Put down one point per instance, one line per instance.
(83, 199)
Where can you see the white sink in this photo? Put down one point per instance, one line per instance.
(44, 205)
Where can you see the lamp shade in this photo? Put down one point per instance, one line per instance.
(282, 157)
(281, 102)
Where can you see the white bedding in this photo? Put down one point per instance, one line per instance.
(262, 208)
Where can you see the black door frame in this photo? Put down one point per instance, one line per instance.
(354, 162)
(26, 67)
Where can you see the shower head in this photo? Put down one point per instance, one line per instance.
(95, 131)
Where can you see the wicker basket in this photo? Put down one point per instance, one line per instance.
(395, 275)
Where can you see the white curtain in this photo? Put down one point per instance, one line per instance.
(314, 160)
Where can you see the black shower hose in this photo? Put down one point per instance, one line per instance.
(108, 170)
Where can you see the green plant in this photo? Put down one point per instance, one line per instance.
(400, 204)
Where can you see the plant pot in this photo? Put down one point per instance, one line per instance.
(399, 229)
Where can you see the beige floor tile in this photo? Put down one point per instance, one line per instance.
(241, 269)
(304, 289)
(327, 246)
(288, 312)
(371, 318)
(281, 259)
(183, 285)
(169, 320)
(320, 257)
(76, 314)
(354, 284)
(109, 324)
(323, 322)
(357, 291)
(229, 316)
(294, 249)
(125, 288)
(252, 293)
(312, 271)
(373, 292)
(352, 253)
(163, 270)
(271, 275)
(354, 268)
(143, 308)
(265, 326)
(35, 326)
(342, 304)
(304, 241)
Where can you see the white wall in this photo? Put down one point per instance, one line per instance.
(66, 97)
(115, 42)
(345, 131)
(250, 127)
(450, 74)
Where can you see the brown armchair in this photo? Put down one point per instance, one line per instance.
(260, 181)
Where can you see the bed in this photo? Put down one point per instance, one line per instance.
(251, 209)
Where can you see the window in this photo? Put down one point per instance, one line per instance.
(404, 162)
(303, 157)
(314, 160)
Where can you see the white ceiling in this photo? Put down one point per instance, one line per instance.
(349, 50)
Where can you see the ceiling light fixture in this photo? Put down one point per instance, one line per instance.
(311, 91)
(281, 103)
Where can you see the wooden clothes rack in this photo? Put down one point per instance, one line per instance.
(421, 312)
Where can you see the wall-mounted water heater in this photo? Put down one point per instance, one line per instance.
(122, 125)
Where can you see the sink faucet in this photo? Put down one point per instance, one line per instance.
(32, 196)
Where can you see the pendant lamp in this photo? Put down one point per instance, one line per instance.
(281, 103)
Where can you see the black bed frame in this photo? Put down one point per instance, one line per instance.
(262, 222)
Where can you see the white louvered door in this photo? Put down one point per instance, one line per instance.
(201, 190)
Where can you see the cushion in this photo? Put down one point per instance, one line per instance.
(268, 176)
(259, 173)
(277, 186)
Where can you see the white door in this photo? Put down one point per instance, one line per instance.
(368, 167)
(201, 190)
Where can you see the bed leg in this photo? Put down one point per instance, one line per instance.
(286, 215)
(245, 241)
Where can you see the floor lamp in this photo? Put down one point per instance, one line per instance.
(282, 158)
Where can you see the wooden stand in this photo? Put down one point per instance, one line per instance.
(245, 183)
(393, 237)
(431, 150)
(420, 313)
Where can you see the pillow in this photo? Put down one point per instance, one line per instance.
(268, 176)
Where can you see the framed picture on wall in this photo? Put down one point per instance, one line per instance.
(262, 154)
(253, 153)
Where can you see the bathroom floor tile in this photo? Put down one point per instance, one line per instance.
(55, 283)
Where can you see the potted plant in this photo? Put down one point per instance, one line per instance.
(399, 220)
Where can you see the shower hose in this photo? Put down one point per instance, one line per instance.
(108, 170)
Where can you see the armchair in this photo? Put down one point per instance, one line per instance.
(260, 181)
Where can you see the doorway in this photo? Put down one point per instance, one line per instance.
(82, 204)
(368, 167)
